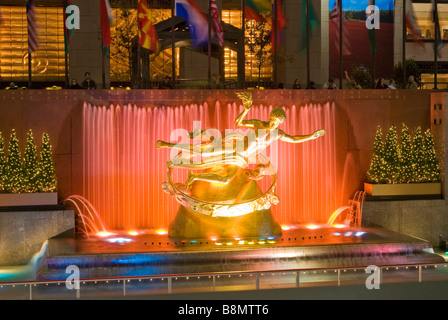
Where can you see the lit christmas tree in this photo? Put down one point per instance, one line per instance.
(432, 170)
(2, 162)
(419, 153)
(13, 168)
(392, 156)
(47, 175)
(377, 171)
(30, 176)
(407, 157)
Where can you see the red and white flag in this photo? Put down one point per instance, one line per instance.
(217, 23)
(335, 15)
(33, 41)
(106, 18)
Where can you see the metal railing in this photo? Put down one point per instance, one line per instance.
(222, 281)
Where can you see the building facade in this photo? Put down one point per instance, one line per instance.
(51, 66)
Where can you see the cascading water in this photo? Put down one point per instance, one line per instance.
(123, 171)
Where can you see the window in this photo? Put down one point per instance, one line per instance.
(423, 17)
(258, 63)
(48, 61)
(123, 31)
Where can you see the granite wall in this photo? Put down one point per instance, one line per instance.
(22, 233)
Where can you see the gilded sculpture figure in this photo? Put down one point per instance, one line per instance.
(230, 166)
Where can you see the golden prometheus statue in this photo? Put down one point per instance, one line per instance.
(224, 199)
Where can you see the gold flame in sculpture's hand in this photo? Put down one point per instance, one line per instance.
(246, 97)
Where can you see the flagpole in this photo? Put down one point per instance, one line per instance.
(307, 43)
(436, 43)
(275, 42)
(340, 44)
(374, 52)
(139, 67)
(29, 69)
(404, 43)
(209, 46)
(67, 86)
(173, 48)
(103, 71)
(242, 56)
(66, 31)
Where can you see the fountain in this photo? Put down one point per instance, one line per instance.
(132, 227)
(225, 199)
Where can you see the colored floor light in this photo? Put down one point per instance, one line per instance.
(312, 226)
(161, 231)
(339, 226)
(105, 234)
(337, 233)
(360, 233)
(348, 233)
(133, 233)
(119, 240)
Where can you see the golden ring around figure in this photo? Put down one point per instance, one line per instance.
(216, 209)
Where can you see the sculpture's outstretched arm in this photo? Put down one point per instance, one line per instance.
(299, 139)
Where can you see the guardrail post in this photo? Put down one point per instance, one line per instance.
(257, 282)
(214, 283)
(31, 291)
(124, 288)
(339, 277)
(297, 279)
(419, 273)
(170, 285)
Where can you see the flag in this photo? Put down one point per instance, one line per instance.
(411, 23)
(335, 15)
(314, 23)
(254, 8)
(437, 37)
(147, 34)
(68, 33)
(281, 22)
(197, 20)
(106, 17)
(217, 23)
(33, 41)
(373, 43)
(1, 14)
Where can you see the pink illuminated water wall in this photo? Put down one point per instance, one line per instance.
(123, 171)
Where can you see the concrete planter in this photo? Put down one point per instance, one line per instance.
(28, 199)
(405, 189)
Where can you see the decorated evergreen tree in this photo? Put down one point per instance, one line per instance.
(47, 172)
(30, 176)
(431, 167)
(392, 156)
(419, 156)
(407, 157)
(377, 171)
(13, 168)
(2, 162)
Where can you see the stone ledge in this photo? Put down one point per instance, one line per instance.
(425, 219)
(23, 232)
